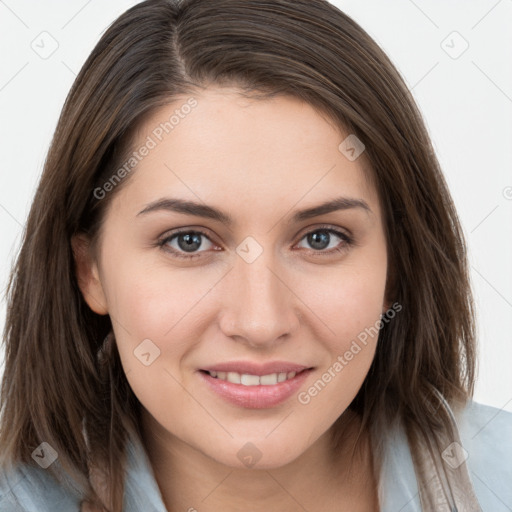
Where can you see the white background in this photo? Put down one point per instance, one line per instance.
(466, 102)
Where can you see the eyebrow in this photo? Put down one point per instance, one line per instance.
(209, 212)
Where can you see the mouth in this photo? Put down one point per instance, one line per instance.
(247, 379)
(257, 390)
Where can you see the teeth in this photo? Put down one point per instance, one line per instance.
(250, 380)
(268, 379)
(253, 380)
(233, 377)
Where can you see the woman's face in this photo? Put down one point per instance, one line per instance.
(267, 288)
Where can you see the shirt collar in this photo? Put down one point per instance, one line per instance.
(398, 489)
(141, 489)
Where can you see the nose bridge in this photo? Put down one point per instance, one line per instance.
(260, 308)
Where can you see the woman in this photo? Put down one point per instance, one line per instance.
(243, 282)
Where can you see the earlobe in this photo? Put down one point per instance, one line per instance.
(87, 275)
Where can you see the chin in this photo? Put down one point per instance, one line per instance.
(257, 454)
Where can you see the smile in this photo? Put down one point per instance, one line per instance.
(254, 391)
(252, 380)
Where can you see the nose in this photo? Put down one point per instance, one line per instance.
(261, 308)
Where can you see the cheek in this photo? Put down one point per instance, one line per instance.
(349, 304)
(349, 301)
(351, 310)
(353, 316)
(154, 306)
(151, 308)
(151, 299)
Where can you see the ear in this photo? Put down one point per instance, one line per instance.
(86, 271)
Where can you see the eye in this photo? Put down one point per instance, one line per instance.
(322, 238)
(186, 243)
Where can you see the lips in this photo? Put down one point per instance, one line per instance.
(261, 386)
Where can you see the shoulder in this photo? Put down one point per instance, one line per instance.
(486, 437)
(30, 488)
(485, 434)
(26, 488)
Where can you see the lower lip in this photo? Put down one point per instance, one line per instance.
(255, 397)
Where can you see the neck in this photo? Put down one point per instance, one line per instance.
(318, 479)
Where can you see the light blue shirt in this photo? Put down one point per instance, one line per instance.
(485, 433)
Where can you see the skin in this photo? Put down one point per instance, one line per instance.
(260, 161)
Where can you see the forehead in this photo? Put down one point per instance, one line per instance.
(217, 145)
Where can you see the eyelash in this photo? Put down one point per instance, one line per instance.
(348, 241)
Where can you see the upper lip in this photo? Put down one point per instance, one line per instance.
(253, 368)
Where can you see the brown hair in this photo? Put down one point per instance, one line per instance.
(160, 49)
